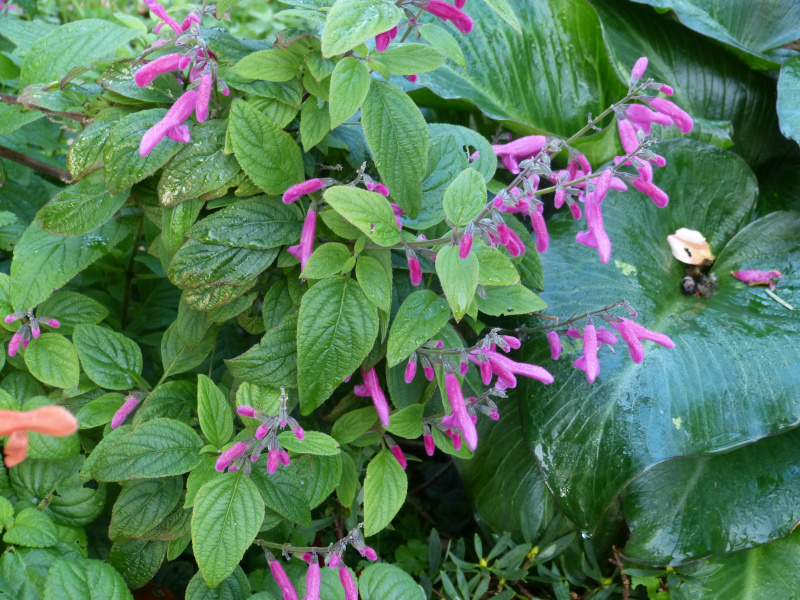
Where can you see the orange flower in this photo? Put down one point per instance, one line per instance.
(48, 420)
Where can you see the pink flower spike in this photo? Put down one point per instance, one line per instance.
(246, 411)
(282, 579)
(273, 460)
(305, 248)
(540, 228)
(301, 189)
(131, 402)
(313, 579)
(146, 74)
(345, 577)
(382, 40)
(555, 344)
(397, 452)
(411, 369)
(448, 12)
(415, 271)
(378, 398)
(465, 246)
(456, 399)
(227, 457)
(203, 97)
(430, 447)
(54, 323)
(682, 119)
(638, 70)
(177, 114)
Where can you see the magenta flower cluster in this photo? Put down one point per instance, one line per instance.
(31, 328)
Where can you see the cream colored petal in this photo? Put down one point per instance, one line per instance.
(689, 246)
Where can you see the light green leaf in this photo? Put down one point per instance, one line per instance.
(274, 64)
(369, 211)
(407, 423)
(214, 412)
(52, 359)
(383, 580)
(80, 208)
(398, 139)
(352, 22)
(506, 13)
(32, 529)
(328, 259)
(385, 488)
(410, 59)
(349, 88)
(110, 359)
(346, 489)
(313, 442)
(465, 198)
(84, 579)
(509, 300)
(495, 266)
(72, 309)
(315, 122)
(443, 41)
(459, 278)
(422, 314)
(352, 424)
(374, 282)
(100, 410)
(335, 332)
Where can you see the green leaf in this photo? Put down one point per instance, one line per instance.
(346, 488)
(752, 364)
(52, 359)
(84, 579)
(214, 412)
(44, 262)
(178, 354)
(212, 265)
(229, 504)
(32, 529)
(313, 442)
(385, 488)
(100, 410)
(502, 8)
(123, 164)
(273, 361)
(328, 259)
(369, 211)
(78, 43)
(788, 88)
(157, 448)
(398, 139)
(269, 65)
(235, 587)
(86, 152)
(315, 122)
(283, 492)
(110, 359)
(383, 580)
(407, 423)
(421, 316)
(352, 424)
(12, 117)
(267, 154)
(137, 560)
(72, 309)
(509, 300)
(80, 208)
(349, 88)
(335, 332)
(495, 266)
(410, 59)
(352, 22)
(465, 198)
(259, 223)
(173, 400)
(443, 41)
(375, 282)
(459, 278)
(176, 221)
(142, 505)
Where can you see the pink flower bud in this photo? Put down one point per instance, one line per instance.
(756, 277)
(412, 78)
(312, 580)
(147, 73)
(463, 368)
(179, 134)
(334, 560)
(379, 188)
(638, 69)
(465, 246)
(667, 90)
(430, 447)
(283, 456)
(11, 318)
(301, 189)
(246, 411)
(512, 342)
(370, 553)
(161, 12)
(273, 460)
(227, 457)
(261, 432)
(25, 342)
(456, 399)
(382, 40)
(283, 581)
(459, 3)
(682, 119)
(656, 194)
(203, 97)
(54, 323)
(429, 372)
(415, 271)
(299, 433)
(305, 248)
(35, 330)
(447, 12)
(397, 452)
(345, 577)
(627, 135)
(411, 369)
(575, 210)
(642, 117)
(378, 398)
(131, 402)
(540, 228)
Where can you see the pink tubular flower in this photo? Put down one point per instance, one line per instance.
(301, 189)
(588, 362)
(411, 368)
(370, 553)
(372, 387)
(147, 73)
(465, 246)
(642, 117)
(374, 186)
(666, 107)
(179, 134)
(131, 402)
(448, 12)
(430, 447)
(521, 149)
(231, 454)
(627, 136)
(652, 191)
(246, 411)
(313, 580)
(176, 115)
(540, 228)
(273, 461)
(756, 277)
(282, 579)
(203, 97)
(505, 369)
(161, 13)
(414, 268)
(398, 212)
(345, 577)
(305, 248)
(604, 336)
(382, 40)
(633, 333)
(456, 399)
(638, 69)
(397, 452)
(596, 237)
(555, 344)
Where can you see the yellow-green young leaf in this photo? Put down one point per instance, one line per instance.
(374, 282)
(318, 66)
(444, 42)
(269, 65)
(505, 12)
(327, 259)
(407, 423)
(459, 278)
(349, 88)
(235, 587)
(382, 580)
(509, 300)
(495, 266)
(410, 59)
(398, 138)
(352, 22)
(315, 122)
(369, 211)
(214, 412)
(346, 490)
(313, 442)
(465, 198)
(143, 504)
(227, 515)
(352, 424)
(52, 359)
(267, 154)
(109, 358)
(32, 529)
(335, 332)
(81, 207)
(83, 578)
(385, 488)
(421, 316)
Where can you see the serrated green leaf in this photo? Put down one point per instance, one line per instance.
(509, 300)
(495, 266)
(410, 59)
(313, 442)
(142, 505)
(272, 362)
(315, 122)
(369, 211)
(443, 41)
(235, 587)
(214, 412)
(80, 208)
(84, 579)
(350, 83)
(274, 64)
(352, 22)
(72, 309)
(52, 359)
(385, 488)
(32, 529)
(352, 424)
(465, 198)
(137, 560)
(459, 278)
(407, 423)
(110, 359)
(100, 410)
(384, 580)
(421, 316)
(283, 492)
(328, 259)
(374, 282)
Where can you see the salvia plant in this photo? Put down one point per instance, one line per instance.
(268, 275)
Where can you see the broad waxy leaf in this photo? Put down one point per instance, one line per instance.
(398, 139)
(721, 387)
(369, 211)
(110, 359)
(214, 412)
(459, 278)
(231, 505)
(788, 89)
(383, 580)
(52, 359)
(420, 317)
(267, 153)
(351, 22)
(350, 82)
(336, 329)
(84, 579)
(385, 488)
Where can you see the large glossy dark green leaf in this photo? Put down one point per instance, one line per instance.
(709, 82)
(730, 379)
(755, 29)
(529, 84)
(788, 91)
(687, 508)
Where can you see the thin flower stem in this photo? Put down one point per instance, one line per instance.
(411, 26)
(548, 326)
(292, 549)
